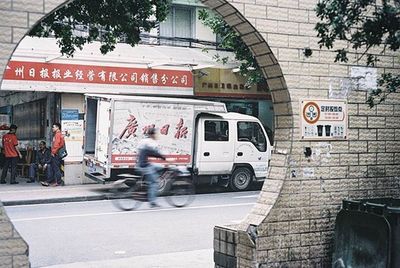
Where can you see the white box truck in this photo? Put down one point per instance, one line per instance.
(217, 146)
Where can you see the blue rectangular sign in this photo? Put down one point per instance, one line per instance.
(69, 114)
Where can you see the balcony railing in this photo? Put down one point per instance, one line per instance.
(149, 39)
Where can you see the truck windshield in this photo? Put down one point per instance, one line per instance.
(216, 130)
(252, 132)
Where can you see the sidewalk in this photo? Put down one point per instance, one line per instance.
(186, 259)
(34, 193)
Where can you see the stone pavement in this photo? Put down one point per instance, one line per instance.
(34, 193)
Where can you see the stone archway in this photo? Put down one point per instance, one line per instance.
(236, 244)
(252, 38)
(292, 223)
(280, 97)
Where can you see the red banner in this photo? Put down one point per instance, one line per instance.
(74, 73)
(131, 159)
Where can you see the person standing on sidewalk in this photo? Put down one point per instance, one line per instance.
(42, 162)
(56, 161)
(11, 153)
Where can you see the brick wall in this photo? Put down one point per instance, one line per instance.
(16, 17)
(13, 249)
(292, 223)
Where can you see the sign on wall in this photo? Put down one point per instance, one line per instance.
(73, 135)
(213, 82)
(44, 76)
(69, 114)
(323, 119)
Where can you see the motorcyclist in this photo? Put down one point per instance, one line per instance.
(148, 147)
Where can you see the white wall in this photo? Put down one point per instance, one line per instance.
(202, 31)
(73, 101)
(73, 173)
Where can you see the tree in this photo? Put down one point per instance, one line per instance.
(230, 40)
(103, 20)
(363, 24)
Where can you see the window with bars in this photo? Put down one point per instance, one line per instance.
(30, 118)
(179, 23)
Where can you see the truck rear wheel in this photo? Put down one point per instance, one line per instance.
(241, 179)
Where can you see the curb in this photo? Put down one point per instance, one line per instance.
(54, 200)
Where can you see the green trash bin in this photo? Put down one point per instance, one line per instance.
(367, 234)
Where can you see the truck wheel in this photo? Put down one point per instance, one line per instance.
(241, 179)
(162, 186)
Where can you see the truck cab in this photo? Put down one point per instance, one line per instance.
(232, 148)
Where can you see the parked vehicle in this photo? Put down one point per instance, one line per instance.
(216, 146)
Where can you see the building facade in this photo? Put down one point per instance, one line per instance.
(46, 85)
(292, 224)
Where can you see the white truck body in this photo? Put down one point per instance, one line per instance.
(199, 134)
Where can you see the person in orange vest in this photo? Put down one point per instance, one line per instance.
(11, 153)
(56, 161)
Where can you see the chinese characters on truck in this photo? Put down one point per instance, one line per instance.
(133, 120)
(132, 127)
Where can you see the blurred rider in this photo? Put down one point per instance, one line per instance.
(148, 147)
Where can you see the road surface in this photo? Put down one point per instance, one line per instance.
(95, 230)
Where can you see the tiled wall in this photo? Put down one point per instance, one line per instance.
(292, 223)
(16, 18)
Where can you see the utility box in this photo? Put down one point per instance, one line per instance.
(367, 234)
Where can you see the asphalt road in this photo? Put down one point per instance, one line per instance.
(96, 230)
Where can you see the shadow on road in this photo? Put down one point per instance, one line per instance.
(200, 189)
(206, 189)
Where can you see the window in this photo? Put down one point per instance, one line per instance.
(30, 118)
(243, 107)
(179, 23)
(252, 132)
(90, 133)
(216, 130)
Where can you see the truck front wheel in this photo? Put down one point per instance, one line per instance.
(240, 179)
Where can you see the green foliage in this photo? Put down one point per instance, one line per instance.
(363, 24)
(106, 20)
(388, 83)
(230, 40)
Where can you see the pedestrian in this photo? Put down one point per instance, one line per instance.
(42, 163)
(11, 154)
(148, 147)
(56, 161)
